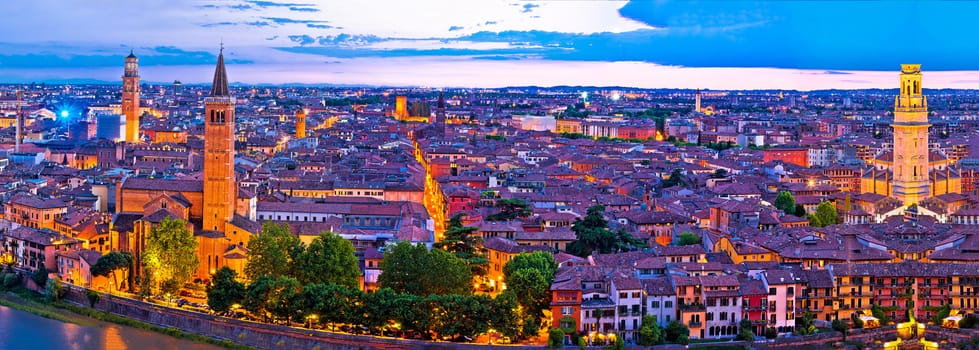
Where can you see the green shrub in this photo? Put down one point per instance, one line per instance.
(10, 280)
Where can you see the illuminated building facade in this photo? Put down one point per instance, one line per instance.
(130, 97)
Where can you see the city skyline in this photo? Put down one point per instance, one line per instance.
(717, 45)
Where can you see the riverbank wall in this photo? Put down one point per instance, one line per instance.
(258, 335)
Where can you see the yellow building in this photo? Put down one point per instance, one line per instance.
(744, 252)
(910, 172)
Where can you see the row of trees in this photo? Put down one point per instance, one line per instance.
(284, 299)
(424, 292)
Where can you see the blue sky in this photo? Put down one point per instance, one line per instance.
(710, 44)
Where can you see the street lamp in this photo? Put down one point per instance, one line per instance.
(310, 319)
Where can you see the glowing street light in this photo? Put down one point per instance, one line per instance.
(64, 113)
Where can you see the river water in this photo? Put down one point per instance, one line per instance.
(23, 330)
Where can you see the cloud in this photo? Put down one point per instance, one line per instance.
(455, 28)
(529, 7)
(318, 26)
(302, 40)
(282, 20)
(267, 4)
(489, 23)
(303, 9)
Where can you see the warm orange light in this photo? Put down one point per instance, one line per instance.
(659, 136)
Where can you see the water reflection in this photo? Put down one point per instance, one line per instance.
(22, 330)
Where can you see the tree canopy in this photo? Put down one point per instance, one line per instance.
(785, 202)
(510, 209)
(110, 263)
(649, 332)
(329, 258)
(465, 244)
(225, 290)
(170, 257)
(592, 234)
(825, 215)
(413, 269)
(688, 238)
(271, 252)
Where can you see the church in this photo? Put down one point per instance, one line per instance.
(221, 216)
(912, 169)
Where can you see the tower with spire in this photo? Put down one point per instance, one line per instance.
(440, 113)
(130, 97)
(220, 190)
(912, 171)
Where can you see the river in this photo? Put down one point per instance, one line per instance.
(23, 330)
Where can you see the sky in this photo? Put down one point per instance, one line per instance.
(803, 45)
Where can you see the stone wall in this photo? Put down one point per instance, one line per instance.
(258, 335)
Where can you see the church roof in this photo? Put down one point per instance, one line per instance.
(131, 54)
(219, 88)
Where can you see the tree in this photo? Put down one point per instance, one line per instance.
(413, 269)
(676, 178)
(271, 252)
(505, 317)
(257, 294)
(225, 290)
(465, 244)
(329, 258)
(618, 345)
(677, 333)
(592, 234)
(804, 325)
(840, 326)
(532, 289)
(771, 333)
(54, 290)
(785, 202)
(746, 333)
(847, 206)
(93, 297)
(540, 260)
(378, 308)
(688, 238)
(284, 298)
(40, 276)
(510, 209)
(649, 332)
(942, 313)
(825, 215)
(555, 338)
(112, 262)
(171, 252)
(800, 211)
(879, 313)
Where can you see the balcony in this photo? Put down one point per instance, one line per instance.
(694, 324)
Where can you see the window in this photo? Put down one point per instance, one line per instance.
(771, 291)
(668, 304)
(654, 304)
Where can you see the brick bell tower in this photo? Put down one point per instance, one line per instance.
(220, 190)
(130, 97)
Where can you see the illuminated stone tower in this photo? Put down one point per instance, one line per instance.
(440, 111)
(220, 191)
(696, 102)
(130, 97)
(301, 123)
(401, 108)
(911, 138)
